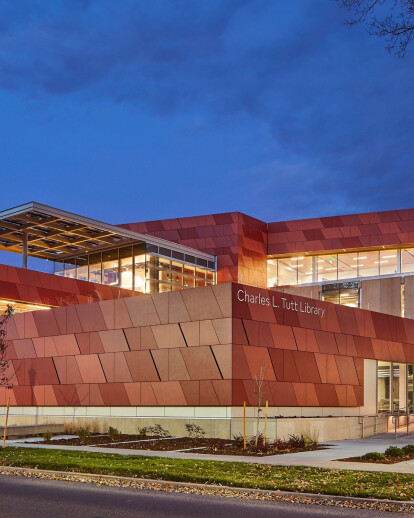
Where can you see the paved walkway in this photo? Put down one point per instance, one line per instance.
(325, 458)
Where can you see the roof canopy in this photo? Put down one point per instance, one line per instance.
(56, 234)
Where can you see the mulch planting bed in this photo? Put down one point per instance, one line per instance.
(192, 445)
(387, 460)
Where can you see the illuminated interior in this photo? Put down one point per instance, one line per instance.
(20, 307)
(288, 271)
(141, 267)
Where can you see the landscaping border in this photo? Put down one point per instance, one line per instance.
(215, 490)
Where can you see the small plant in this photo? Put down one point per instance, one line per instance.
(47, 436)
(394, 451)
(69, 428)
(113, 433)
(195, 431)
(143, 432)
(158, 431)
(373, 455)
(84, 434)
(95, 427)
(409, 449)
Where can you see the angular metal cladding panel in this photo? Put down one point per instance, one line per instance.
(90, 316)
(114, 394)
(191, 332)
(169, 393)
(113, 341)
(284, 337)
(326, 394)
(326, 342)
(134, 393)
(66, 395)
(208, 396)
(45, 323)
(67, 369)
(200, 363)
(239, 363)
(347, 370)
(177, 311)
(24, 348)
(161, 362)
(115, 367)
(90, 368)
(24, 396)
(147, 395)
(141, 366)
(306, 394)
(177, 369)
(283, 393)
(258, 360)
(306, 366)
(142, 311)
(66, 345)
(191, 390)
(168, 336)
(201, 304)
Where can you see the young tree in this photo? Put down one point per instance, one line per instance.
(6, 378)
(259, 392)
(392, 20)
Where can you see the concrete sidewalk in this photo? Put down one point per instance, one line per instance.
(325, 458)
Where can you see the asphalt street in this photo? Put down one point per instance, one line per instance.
(22, 497)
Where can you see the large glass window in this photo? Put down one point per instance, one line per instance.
(347, 266)
(388, 262)
(126, 268)
(288, 272)
(410, 387)
(346, 294)
(394, 386)
(59, 268)
(384, 386)
(327, 266)
(368, 264)
(70, 268)
(305, 272)
(272, 273)
(407, 260)
(95, 268)
(82, 268)
(331, 267)
(110, 268)
(139, 269)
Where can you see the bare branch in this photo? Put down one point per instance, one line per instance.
(6, 377)
(392, 20)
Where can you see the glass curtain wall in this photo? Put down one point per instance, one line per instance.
(138, 268)
(331, 267)
(395, 386)
(345, 293)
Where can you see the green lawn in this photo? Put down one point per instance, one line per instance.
(304, 479)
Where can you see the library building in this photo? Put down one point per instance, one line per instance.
(174, 321)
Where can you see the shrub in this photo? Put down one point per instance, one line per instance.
(373, 455)
(113, 433)
(195, 431)
(47, 436)
(394, 451)
(95, 426)
(84, 434)
(157, 431)
(409, 449)
(143, 432)
(69, 428)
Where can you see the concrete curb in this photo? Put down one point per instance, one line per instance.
(311, 496)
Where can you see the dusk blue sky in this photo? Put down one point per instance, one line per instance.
(138, 110)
